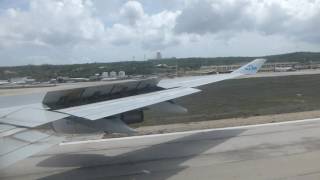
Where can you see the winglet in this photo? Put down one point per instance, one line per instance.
(250, 68)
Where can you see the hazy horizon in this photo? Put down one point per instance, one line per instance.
(162, 58)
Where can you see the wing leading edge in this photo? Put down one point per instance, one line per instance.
(113, 107)
(195, 81)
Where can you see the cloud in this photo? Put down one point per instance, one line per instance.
(70, 22)
(150, 31)
(213, 16)
(51, 23)
(121, 34)
(132, 12)
(291, 18)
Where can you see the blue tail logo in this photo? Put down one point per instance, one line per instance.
(251, 68)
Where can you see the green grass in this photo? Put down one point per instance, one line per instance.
(245, 97)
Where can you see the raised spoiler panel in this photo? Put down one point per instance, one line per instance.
(110, 90)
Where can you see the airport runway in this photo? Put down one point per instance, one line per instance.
(289, 150)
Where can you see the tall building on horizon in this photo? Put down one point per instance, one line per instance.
(158, 55)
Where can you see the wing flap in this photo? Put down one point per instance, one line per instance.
(30, 117)
(100, 110)
(24, 144)
(75, 96)
(5, 128)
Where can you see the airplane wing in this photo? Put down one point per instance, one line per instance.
(19, 138)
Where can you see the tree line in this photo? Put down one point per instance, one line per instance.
(46, 72)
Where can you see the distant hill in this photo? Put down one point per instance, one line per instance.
(46, 72)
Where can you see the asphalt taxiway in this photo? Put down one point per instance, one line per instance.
(287, 150)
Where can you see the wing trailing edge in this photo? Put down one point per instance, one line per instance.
(31, 117)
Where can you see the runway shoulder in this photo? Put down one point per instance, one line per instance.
(288, 150)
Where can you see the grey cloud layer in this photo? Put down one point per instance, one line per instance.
(68, 23)
(212, 17)
(152, 31)
(72, 22)
(295, 19)
(50, 23)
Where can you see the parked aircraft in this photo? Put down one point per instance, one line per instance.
(4, 82)
(284, 69)
(31, 128)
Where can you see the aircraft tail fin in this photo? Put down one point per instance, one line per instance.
(250, 68)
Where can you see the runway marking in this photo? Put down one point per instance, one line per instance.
(191, 132)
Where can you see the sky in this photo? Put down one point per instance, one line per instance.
(86, 31)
